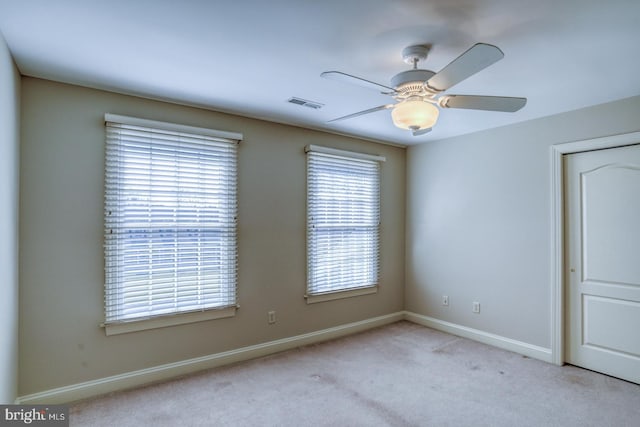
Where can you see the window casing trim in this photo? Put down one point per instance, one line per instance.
(114, 327)
(174, 127)
(163, 321)
(346, 292)
(344, 153)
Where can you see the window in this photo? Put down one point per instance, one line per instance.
(343, 222)
(170, 224)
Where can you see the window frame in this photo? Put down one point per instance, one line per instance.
(124, 325)
(347, 292)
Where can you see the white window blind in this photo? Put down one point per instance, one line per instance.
(170, 221)
(343, 220)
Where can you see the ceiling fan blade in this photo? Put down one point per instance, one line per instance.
(361, 113)
(477, 58)
(490, 103)
(348, 78)
(421, 131)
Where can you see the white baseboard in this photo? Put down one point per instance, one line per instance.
(141, 377)
(504, 343)
(127, 380)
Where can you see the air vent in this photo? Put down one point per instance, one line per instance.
(305, 103)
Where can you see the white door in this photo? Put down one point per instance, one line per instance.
(602, 217)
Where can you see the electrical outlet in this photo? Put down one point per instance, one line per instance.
(271, 316)
(476, 307)
(445, 300)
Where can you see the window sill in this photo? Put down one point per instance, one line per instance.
(312, 299)
(164, 321)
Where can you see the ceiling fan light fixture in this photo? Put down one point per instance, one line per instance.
(415, 114)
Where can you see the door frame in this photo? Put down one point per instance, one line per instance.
(558, 151)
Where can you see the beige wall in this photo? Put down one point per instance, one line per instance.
(9, 174)
(61, 226)
(479, 221)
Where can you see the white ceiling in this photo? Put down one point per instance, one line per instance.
(250, 56)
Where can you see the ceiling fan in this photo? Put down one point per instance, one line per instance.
(418, 93)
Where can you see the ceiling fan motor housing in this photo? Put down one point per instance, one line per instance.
(411, 80)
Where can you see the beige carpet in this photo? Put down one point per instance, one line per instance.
(398, 375)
